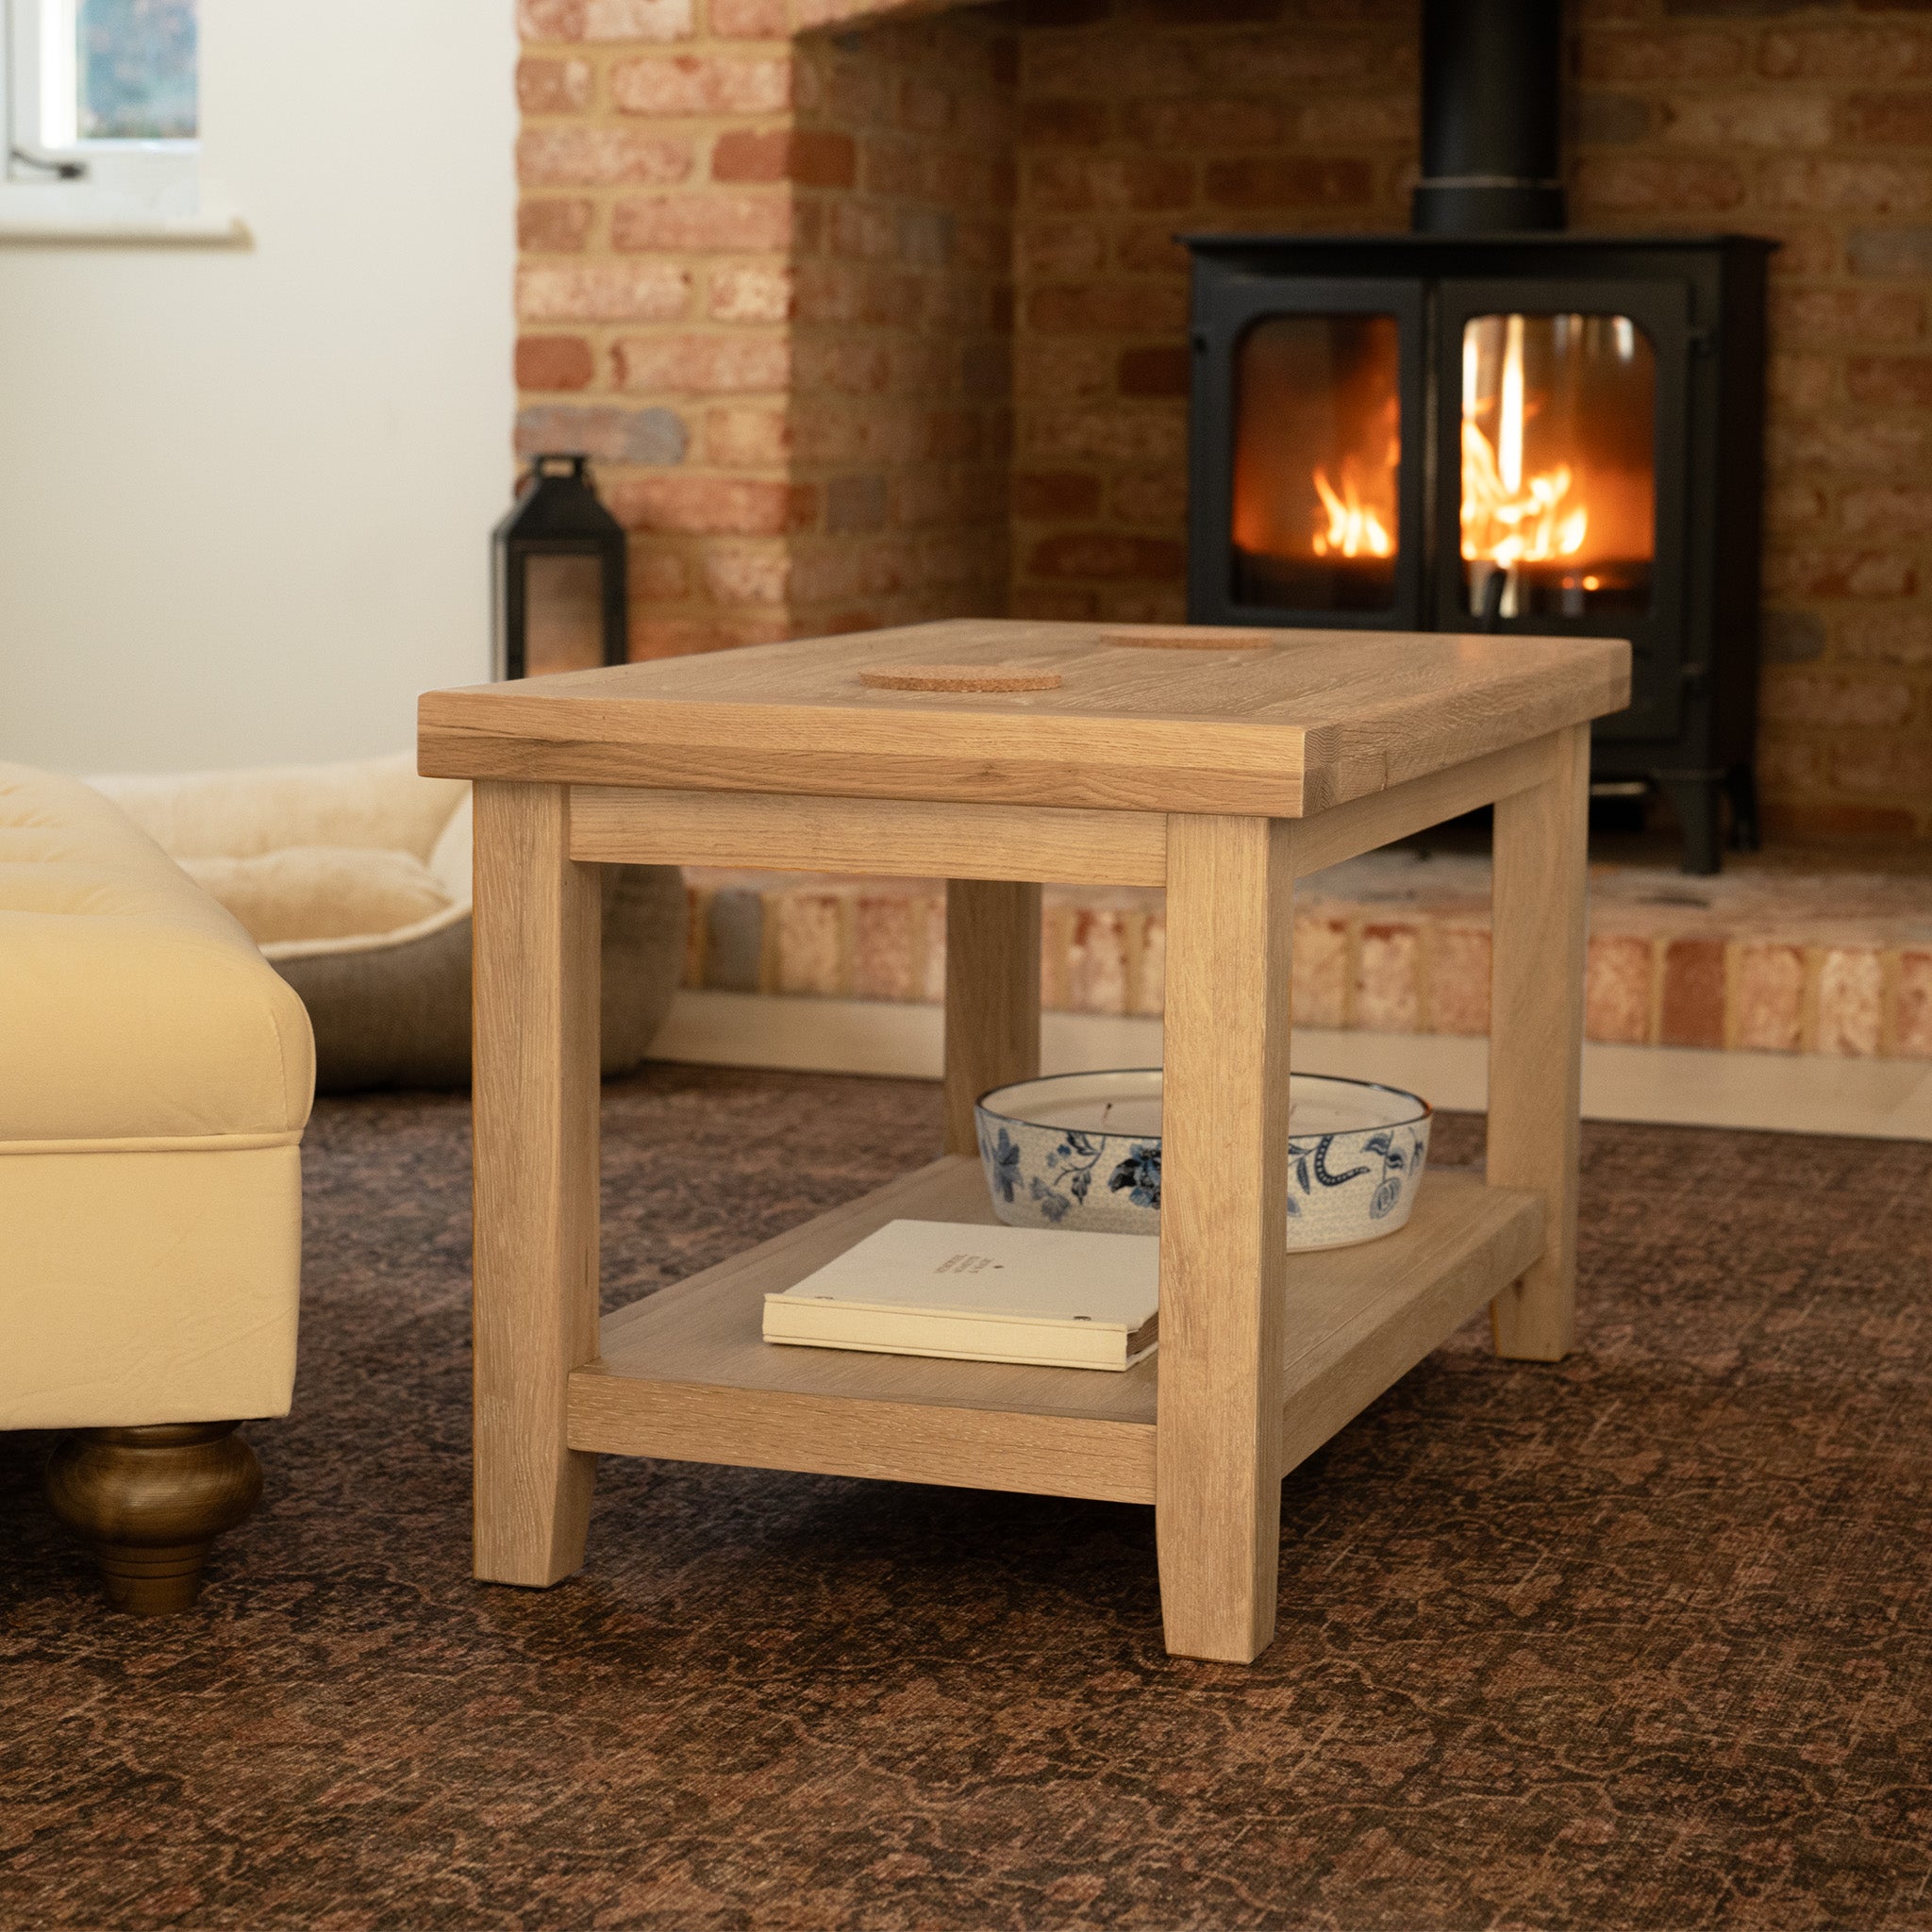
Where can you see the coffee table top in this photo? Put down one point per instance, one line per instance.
(1136, 717)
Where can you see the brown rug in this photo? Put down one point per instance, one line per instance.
(1638, 1642)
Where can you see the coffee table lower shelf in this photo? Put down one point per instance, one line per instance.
(686, 1375)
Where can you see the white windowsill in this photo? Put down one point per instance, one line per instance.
(19, 226)
(142, 200)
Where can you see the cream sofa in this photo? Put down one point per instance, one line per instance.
(354, 878)
(155, 1081)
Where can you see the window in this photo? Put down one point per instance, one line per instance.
(103, 112)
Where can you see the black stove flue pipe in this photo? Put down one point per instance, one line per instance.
(1492, 117)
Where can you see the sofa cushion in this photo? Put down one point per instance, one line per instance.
(134, 1012)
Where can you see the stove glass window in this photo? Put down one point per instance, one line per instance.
(1318, 440)
(1559, 506)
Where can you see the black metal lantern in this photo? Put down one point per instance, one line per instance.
(561, 601)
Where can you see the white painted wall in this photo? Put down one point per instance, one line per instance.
(246, 494)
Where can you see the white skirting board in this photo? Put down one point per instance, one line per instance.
(1800, 1093)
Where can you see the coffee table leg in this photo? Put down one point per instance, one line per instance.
(993, 995)
(537, 919)
(1222, 1234)
(1536, 1036)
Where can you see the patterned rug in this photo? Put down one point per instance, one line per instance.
(1642, 1641)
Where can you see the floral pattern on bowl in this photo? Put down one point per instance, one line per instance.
(1083, 1151)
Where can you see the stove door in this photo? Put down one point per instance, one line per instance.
(1305, 502)
(1561, 417)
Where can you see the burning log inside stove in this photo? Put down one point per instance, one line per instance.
(1316, 458)
(1558, 490)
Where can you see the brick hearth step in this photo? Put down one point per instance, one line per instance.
(1396, 942)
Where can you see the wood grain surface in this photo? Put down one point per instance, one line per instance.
(1401, 1304)
(537, 915)
(904, 839)
(1364, 825)
(1185, 637)
(955, 678)
(1539, 905)
(1224, 1186)
(961, 1445)
(1310, 720)
(993, 995)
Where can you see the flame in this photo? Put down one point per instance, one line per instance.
(1509, 519)
(1354, 528)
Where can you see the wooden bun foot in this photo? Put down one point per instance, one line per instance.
(152, 1502)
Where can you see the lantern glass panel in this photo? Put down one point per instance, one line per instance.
(564, 614)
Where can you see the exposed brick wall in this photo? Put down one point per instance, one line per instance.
(1141, 119)
(1812, 124)
(765, 274)
(653, 296)
(766, 281)
(902, 406)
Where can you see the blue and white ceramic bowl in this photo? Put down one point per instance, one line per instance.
(1083, 1150)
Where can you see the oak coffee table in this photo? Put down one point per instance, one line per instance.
(1220, 764)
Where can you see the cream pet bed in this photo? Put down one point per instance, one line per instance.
(354, 879)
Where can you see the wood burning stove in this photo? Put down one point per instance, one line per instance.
(1526, 430)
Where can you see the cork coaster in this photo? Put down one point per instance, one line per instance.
(957, 678)
(1188, 638)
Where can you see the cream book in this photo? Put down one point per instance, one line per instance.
(1059, 1300)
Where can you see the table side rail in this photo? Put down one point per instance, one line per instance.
(615, 825)
(899, 838)
(961, 1448)
(1346, 831)
(1330, 1382)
